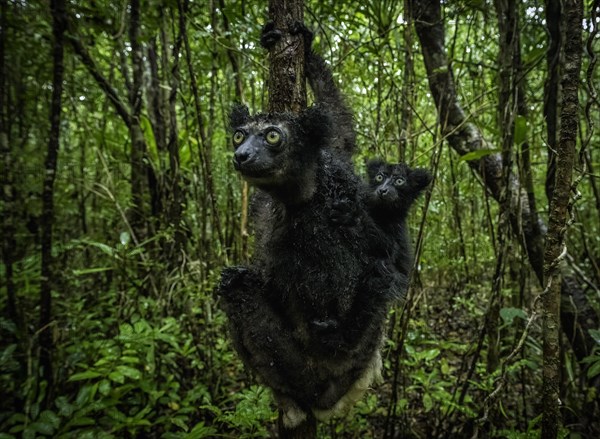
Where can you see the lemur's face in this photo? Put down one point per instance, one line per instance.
(388, 184)
(395, 185)
(271, 149)
(261, 150)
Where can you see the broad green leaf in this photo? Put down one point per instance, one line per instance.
(49, 417)
(509, 314)
(594, 369)
(117, 377)
(130, 372)
(520, 130)
(42, 427)
(88, 374)
(478, 154)
(104, 387)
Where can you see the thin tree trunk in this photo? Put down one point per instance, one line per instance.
(287, 92)
(47, 218)
(138, 144)
(559, 212)
(6, 174)
(551, 88)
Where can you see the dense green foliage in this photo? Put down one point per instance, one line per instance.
(140, 347)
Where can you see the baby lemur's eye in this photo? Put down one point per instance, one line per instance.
(379, 178)
(273, 137)
(238, 137)
(400, 181)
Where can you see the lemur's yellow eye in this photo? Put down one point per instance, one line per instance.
(238, 137)
(400, 181)
(273, 137)
(379, 178)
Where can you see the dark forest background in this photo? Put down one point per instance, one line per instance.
(120, 206)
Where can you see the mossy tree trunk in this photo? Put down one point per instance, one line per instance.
(559, 212)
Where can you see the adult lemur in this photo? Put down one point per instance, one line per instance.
(307, 316)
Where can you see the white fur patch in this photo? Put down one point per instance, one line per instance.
(371, 374)
(293, 416)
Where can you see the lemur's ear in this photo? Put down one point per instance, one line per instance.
(239, 116)
(420, 178)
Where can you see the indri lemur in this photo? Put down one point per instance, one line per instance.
(393, 188)
(391, 191)
(307, 316)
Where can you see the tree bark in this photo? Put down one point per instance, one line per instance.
(551, 89)
(138, 143)
(559, 212)
(47, 218)
(287, 85)
(464, 137)
(287, 93)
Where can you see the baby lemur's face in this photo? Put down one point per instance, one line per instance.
(388, 184)
(395, 186)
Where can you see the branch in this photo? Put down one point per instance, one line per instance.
(91, 66)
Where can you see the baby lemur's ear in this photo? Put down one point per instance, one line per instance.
(315, 123)
(420, 178)
(374, 166)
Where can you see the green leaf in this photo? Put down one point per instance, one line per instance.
(64, 407)
(83, 396)
(42, 427)
(91, 270)
(124, 237)
(104, 387)
(117, 377)
(595, 333)
(521, 130)
(478, 154)
(427, 402)
(509, 314)
(130, 372)
(180, 422)
(49, 417)
(594, 369)
(88, 374)
(201, 431)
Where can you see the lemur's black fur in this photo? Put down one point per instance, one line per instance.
(308, 314)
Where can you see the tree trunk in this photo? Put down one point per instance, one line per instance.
(559, 212)
(464, 137)
(551, 89)
(138, 144)
(287, 93)
(6, 175)
(47, 218)
(287, 85)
